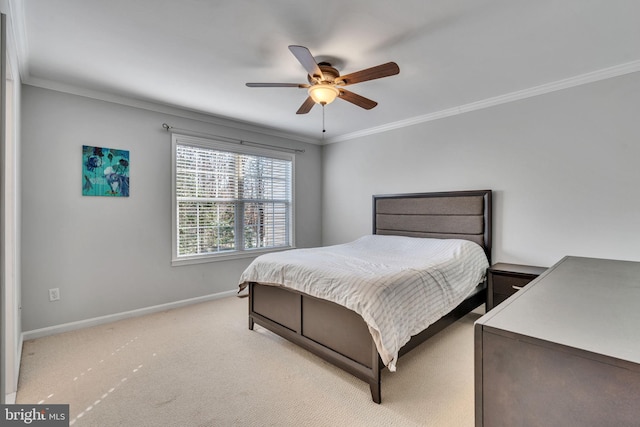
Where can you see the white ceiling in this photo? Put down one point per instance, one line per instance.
(198, 54)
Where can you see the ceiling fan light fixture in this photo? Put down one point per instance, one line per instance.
(323, 93)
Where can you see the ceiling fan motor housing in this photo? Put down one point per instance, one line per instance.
(329, 73)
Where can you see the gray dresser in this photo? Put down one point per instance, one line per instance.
(564, 351)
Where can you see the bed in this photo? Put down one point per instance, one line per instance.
(337, 331)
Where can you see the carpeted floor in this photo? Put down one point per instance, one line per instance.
(201, 366)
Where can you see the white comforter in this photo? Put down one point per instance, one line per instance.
(399, 285)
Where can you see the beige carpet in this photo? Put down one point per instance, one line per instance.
(201, 366)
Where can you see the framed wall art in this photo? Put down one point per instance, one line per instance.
(105, 172)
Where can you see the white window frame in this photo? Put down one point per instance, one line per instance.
(215, 144)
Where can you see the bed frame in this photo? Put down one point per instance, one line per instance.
(339, 335)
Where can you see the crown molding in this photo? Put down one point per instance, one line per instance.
(582, 79)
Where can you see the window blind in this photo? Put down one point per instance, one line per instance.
(230, 201)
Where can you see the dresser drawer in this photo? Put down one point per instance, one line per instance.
(508, 285)
(506, 279)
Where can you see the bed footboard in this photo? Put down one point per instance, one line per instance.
(335, 333)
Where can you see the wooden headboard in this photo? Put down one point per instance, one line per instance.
(444, 215)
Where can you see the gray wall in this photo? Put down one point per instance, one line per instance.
(112, 255)
(564, 167)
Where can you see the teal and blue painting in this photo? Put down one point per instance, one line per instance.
(105, 172)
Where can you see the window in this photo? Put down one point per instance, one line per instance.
(229, 200)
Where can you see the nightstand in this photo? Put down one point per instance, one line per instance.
(505, 280)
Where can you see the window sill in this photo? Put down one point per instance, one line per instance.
(202, 259)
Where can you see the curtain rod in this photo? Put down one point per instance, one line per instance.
(168, 128)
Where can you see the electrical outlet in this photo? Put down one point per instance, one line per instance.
(54, 294)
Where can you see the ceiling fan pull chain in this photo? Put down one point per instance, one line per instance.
(323, 128)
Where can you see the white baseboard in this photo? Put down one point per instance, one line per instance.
(71, 326)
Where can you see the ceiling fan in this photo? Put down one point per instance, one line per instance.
(326, 84)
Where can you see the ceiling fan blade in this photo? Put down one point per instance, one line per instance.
(307, 60)
(306, 106)
(384, 70)
(356, 99)
(300, 85)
